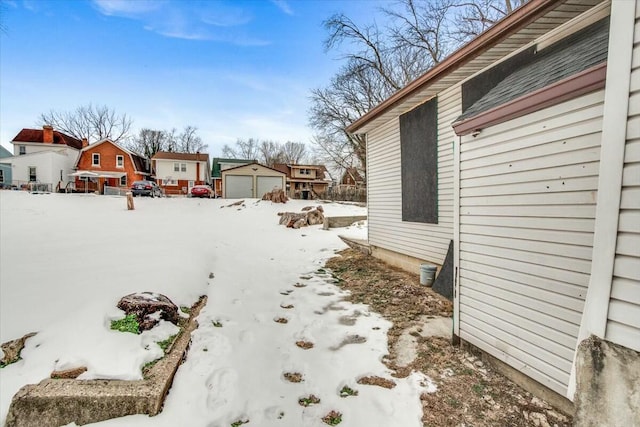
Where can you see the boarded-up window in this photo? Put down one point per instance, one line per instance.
(419, 168)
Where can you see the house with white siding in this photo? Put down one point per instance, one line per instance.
(45, 157)
(176, 173)
(521, 151)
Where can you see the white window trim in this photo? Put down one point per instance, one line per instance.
(123, 178)
(93, 159)
(120, 161)
(22, 150)
(169, 183)
(183, 167)
(176, 167)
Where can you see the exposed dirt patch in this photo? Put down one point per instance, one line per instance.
(309, 400)
(333, 418)
(293, 377)
(470, 393)
(304, 344)
(378, 381)
(282, 320)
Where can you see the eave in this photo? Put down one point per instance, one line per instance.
(515, 31)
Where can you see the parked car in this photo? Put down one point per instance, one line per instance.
(202, 191)
(146, 188)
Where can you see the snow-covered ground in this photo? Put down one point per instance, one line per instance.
(65, 261)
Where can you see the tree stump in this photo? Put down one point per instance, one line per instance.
(276, 196)
(130, 206)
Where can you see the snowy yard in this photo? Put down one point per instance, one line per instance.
(67, 259)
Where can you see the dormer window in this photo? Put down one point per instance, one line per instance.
(95, 159)
(120, 161)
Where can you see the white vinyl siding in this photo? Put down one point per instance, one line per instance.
(528, 192)
(623, 323)
(386, 228)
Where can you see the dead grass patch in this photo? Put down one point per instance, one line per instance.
(469, 391)
(293, 377)
(304, 344)
(377, 381)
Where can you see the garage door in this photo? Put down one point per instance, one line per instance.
(238, 186)
(267, 184)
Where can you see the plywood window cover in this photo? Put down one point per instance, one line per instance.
(579, 84)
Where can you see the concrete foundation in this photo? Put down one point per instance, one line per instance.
(56, 402)
(357, 244)
(608, 385)
(405, 262)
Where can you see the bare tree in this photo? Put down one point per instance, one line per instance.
(270, 153)
(380, 61)
(187, 141)
(148, 142)
(474, 17)
(92, 122)
(267, 152)
(244, 149)
(293, 152)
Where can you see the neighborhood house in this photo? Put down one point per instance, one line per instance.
(304, 181)
(43, 157)
(177, 173)
(106, 164)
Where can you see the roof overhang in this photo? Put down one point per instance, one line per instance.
(93, 174)
(515, 31)
(580, 84)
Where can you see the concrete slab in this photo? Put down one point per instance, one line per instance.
(407, 345)
(56, 402)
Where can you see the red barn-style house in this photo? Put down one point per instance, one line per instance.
(105, 163)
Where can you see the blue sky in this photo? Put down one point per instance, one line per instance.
(235, 69)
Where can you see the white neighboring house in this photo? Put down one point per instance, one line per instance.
(44, 156)
(176, 173)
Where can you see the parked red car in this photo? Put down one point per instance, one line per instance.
(202, 191)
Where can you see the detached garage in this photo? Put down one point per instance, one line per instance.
(251, 181)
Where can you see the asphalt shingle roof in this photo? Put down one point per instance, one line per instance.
(37, 135)
(573, 54)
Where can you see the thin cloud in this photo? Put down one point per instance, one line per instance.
(225, 17)
(185, 20)
(284, 6)
(127, 8)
